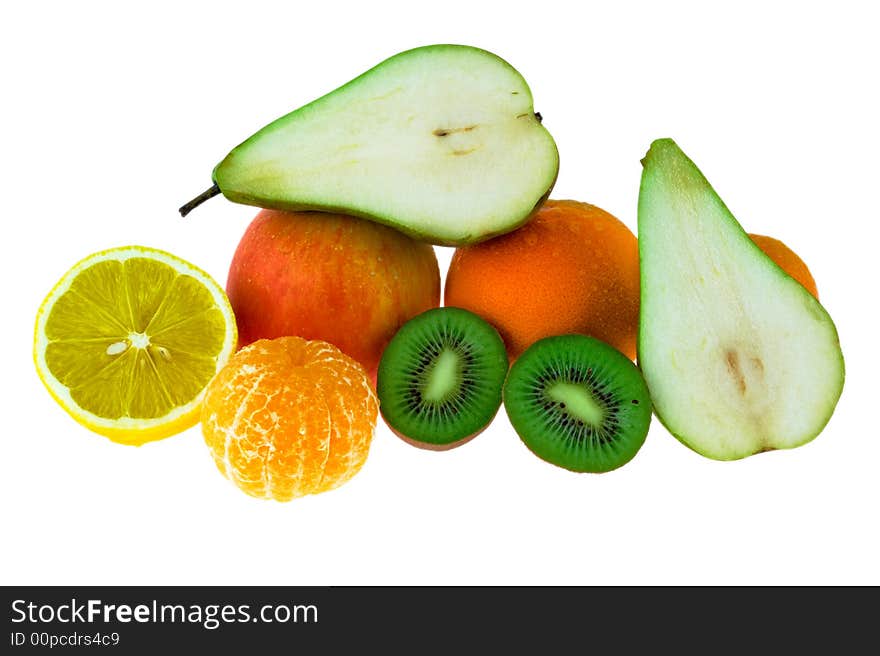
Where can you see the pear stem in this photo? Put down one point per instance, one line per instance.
(198, 200)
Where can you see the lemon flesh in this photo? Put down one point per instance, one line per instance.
(128, 340)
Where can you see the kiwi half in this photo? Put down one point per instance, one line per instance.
(440, 378)
(578, 403)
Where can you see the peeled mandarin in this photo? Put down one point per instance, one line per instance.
(289, 417)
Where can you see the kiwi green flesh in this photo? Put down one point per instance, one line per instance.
(578, 403)
(440, 378)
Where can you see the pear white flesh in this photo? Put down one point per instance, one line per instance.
(440, 142)
(739, 358)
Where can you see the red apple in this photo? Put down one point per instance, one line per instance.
(317, 275)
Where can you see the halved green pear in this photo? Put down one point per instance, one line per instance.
(739, 358)
(441, 142)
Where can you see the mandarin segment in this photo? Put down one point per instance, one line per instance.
(289, 417)
(350, 399)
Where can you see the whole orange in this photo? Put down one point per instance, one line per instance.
(574, 268)
(787, 260)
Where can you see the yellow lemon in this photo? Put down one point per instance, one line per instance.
(128, 340)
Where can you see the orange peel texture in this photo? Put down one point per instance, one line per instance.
(787, 260)
(288, 417)
(573, 268)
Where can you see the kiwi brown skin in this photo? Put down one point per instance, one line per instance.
(428, 446)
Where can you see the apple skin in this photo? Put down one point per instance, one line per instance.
(333, 277)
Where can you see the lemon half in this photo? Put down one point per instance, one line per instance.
(128, 340)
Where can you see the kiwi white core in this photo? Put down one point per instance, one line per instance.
(442, 377)
(578, 402)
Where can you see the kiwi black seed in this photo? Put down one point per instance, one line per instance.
(440, 378)
(578, 403)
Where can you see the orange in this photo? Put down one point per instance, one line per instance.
(787, 260)
(574, 268)
(288, 417)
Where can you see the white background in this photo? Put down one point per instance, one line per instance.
(113, 116)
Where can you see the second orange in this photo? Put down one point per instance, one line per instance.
(574, 268)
